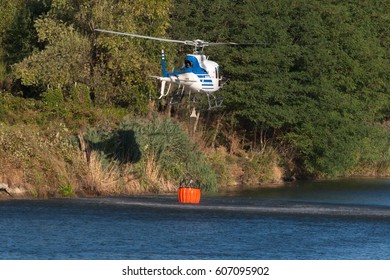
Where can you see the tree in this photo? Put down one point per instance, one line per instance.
(318, 83)
(341, 74)
(18, 38)
(114, 68)
(64, 61)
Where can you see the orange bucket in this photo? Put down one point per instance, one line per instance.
(188, 195)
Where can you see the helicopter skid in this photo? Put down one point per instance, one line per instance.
(183, 86)
(214, 102)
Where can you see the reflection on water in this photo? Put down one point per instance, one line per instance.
(361, 191)
(347, 219)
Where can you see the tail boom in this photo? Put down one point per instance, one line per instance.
(163, 65)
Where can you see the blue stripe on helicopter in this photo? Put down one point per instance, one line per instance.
(207, 81)
(207, 85)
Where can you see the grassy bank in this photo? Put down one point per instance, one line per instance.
(133, 156)
(81, 150)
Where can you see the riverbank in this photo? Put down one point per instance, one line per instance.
(133, 156)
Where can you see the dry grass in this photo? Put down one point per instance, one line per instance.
(100, 178)
(36, 162)
(105, 176)
(155, 181)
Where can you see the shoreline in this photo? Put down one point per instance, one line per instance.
(8, 193)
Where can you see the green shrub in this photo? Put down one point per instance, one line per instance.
(80, 94)
(139, 141)
(53, 98)
(259, 167)
(66, 190)
(219, 160)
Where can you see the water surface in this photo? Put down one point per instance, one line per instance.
(343, 219)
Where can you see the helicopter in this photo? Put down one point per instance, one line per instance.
(197, 75)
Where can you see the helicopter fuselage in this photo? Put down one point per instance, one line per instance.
(198, 74)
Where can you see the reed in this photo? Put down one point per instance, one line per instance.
(102, 177)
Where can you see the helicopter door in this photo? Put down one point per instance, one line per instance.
(217, 76)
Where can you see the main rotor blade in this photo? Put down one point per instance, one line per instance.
(233, 44)
(141, 36)
(197, 43)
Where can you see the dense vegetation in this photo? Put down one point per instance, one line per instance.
(312, 98)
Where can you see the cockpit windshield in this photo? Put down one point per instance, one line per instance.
(188, 63)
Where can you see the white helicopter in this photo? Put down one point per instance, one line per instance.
(197, 75)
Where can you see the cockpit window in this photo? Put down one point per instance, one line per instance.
(187, 63)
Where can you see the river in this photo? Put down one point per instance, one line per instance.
(337, 219)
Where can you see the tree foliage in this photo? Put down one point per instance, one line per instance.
(64, 61)
(114, 68)
(316, 85)
(317, 82)
(18, 37)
